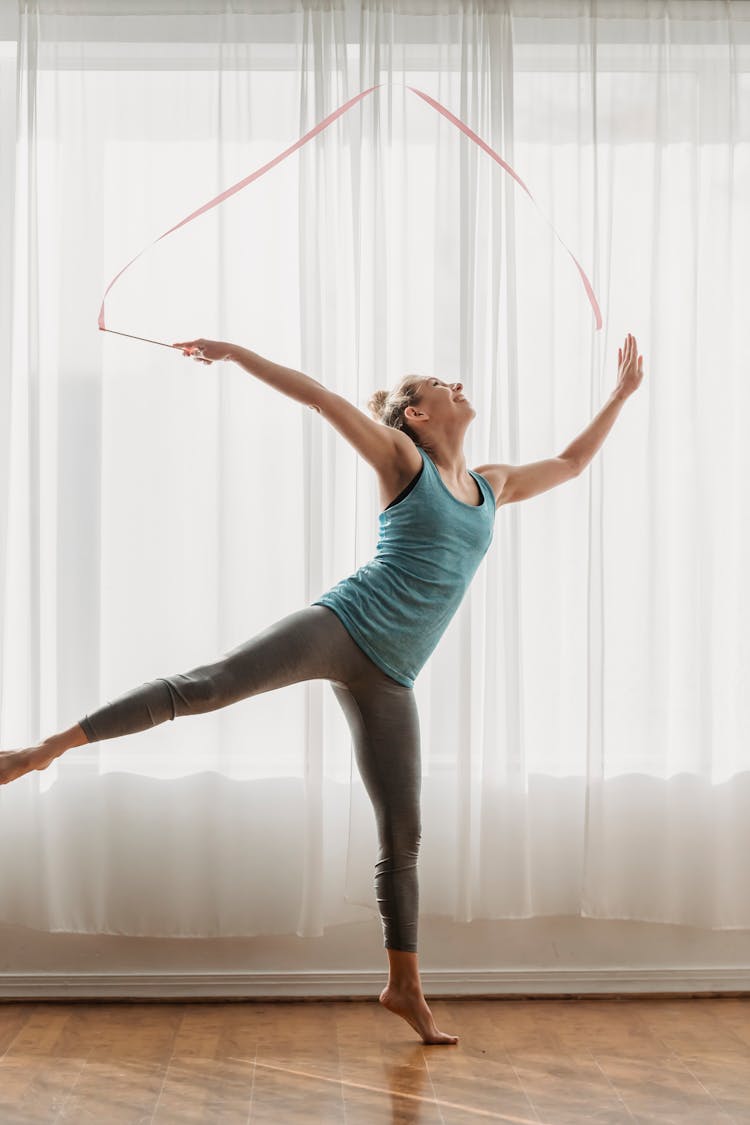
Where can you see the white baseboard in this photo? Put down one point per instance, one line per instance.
(319, 985)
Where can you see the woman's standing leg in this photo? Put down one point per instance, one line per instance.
(384, 722)
(309, 644)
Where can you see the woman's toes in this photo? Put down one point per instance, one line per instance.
(13, 763)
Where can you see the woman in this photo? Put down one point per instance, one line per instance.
(371, 633)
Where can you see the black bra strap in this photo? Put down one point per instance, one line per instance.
(407, 490)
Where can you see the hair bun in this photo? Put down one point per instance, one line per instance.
(377, 403)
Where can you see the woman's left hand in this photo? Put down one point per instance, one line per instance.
(630, 370)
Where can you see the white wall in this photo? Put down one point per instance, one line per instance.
(527, 956)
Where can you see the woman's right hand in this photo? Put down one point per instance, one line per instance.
(205, 351)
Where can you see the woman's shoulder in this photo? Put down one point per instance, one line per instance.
(410, 456)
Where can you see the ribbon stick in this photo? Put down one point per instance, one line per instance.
(302, 141)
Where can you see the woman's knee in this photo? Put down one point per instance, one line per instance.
(195, 692)
(400, 840)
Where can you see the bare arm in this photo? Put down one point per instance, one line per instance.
(512, 483)
(582, 449)
(629, 376)
(519, 482)
(379, 445)
(294, 384)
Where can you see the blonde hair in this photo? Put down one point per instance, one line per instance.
(388, 406)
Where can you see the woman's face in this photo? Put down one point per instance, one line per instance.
(443, 401)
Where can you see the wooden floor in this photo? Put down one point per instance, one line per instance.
(552, 1061)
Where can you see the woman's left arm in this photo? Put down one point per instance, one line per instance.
(629, 376)
(512, 483)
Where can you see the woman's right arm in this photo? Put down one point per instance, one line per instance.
(377, 444)
(293, 383)
(381, 446)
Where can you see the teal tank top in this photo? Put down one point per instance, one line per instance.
(398, 605)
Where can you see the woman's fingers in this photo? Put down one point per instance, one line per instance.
(194, 349)
(631, 346)
(190, 344)
(629, 351)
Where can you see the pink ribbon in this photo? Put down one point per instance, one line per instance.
(298, 144)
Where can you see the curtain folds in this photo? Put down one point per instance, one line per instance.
(585, 718)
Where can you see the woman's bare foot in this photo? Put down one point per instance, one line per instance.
(410, 1004)
(15, 763)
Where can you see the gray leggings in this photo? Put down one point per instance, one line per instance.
(313, 644)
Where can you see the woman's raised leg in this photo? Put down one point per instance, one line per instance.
(301, 646)
(309, 644)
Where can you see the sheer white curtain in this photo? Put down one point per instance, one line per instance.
(585, 719)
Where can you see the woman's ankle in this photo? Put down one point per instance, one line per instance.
(66, 739)
(406, 985)
(403, 970)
